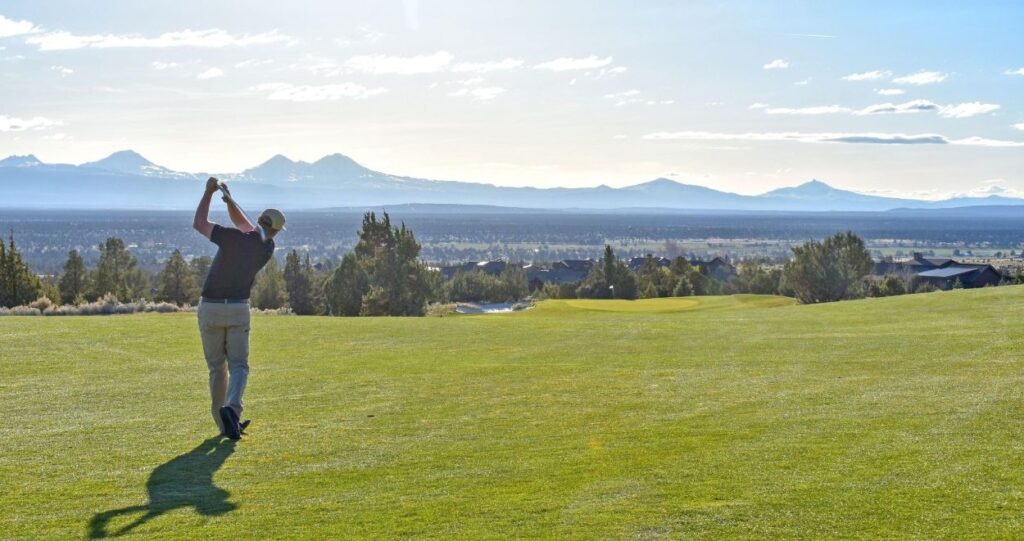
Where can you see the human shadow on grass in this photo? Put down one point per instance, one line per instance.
(184, 481)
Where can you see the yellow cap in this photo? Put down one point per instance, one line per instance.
(273, 218)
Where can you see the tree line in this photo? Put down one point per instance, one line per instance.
(384, 276)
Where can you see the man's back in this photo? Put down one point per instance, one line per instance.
(239, 257)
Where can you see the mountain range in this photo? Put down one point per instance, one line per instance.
(127, 180)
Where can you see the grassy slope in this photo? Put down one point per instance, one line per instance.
(735, 417)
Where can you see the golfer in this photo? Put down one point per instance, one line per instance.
(224, 307)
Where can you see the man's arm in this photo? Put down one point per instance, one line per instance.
(201, 222)
(238, 217)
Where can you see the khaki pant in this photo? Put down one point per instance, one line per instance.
(224, 329)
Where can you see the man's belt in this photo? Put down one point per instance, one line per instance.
(224, 301)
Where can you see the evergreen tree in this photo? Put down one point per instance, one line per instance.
(18, 285)
(345, 288)
(399, 282)
(611, 279)
(830, 270)
(299, 285)
(177, 282)
(117, 273)
(269, 291)
(74, 281)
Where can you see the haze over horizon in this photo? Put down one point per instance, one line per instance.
(904, 100)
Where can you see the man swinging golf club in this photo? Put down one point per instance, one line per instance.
(224, 307)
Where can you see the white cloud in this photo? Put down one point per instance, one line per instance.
(252, 62)
(967, 110)
(1019, 126)
(63, 71)
(921, 78)
(211, 73)
(483, 93)
(1018, 71)
(211, 38)
(777, 64)
(758, 105)
(914, 106)
(983, 142)
(816, 110)
(889, 91)
(831, 137)
(619, 137)
(868, 76)
(400, 65)
(803, 82)
(304, 93)
(160, 66)
(571, 64)
(487, 67)
(625, 98)
(10, 123)
(994, 186)
(10, 28)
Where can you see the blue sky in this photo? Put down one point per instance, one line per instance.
(918, 99)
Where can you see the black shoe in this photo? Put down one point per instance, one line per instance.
(230, 420)
(243, 425)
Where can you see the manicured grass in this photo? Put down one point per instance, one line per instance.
(740, 417)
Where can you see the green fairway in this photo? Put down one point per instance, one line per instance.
(729, 417)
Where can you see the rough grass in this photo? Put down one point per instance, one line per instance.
(741, 417)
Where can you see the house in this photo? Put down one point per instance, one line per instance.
(941, 272)
(717, 268)
(969, 276)
(637, 262)
(567, 271)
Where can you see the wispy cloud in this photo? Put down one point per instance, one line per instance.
(625, 98)
(480, 93)
(967, 110)
(62, 70)
(161, 66)
(10, 28)
(1018, 71)
(758, 105)
(400, 65)
(914, 106)
(573, 64)
(306, 93)
(252, 62)
(777, 64)
(803, 82)
(487, 67)
(830, 137)
(212, 38)
(10, 123)
(868, 76)
(211, 73)
(889, 91)
(814, 110)
(921, 78)
(1019, 126)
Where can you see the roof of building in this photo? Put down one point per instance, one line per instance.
(952, 271)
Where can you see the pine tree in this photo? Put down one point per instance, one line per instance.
(18, 285)
(177, 282)
(298, 283)
(345, 288)
(269, 292)
(73, 282)
(117, 273)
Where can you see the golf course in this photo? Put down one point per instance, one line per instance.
(743, 417)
